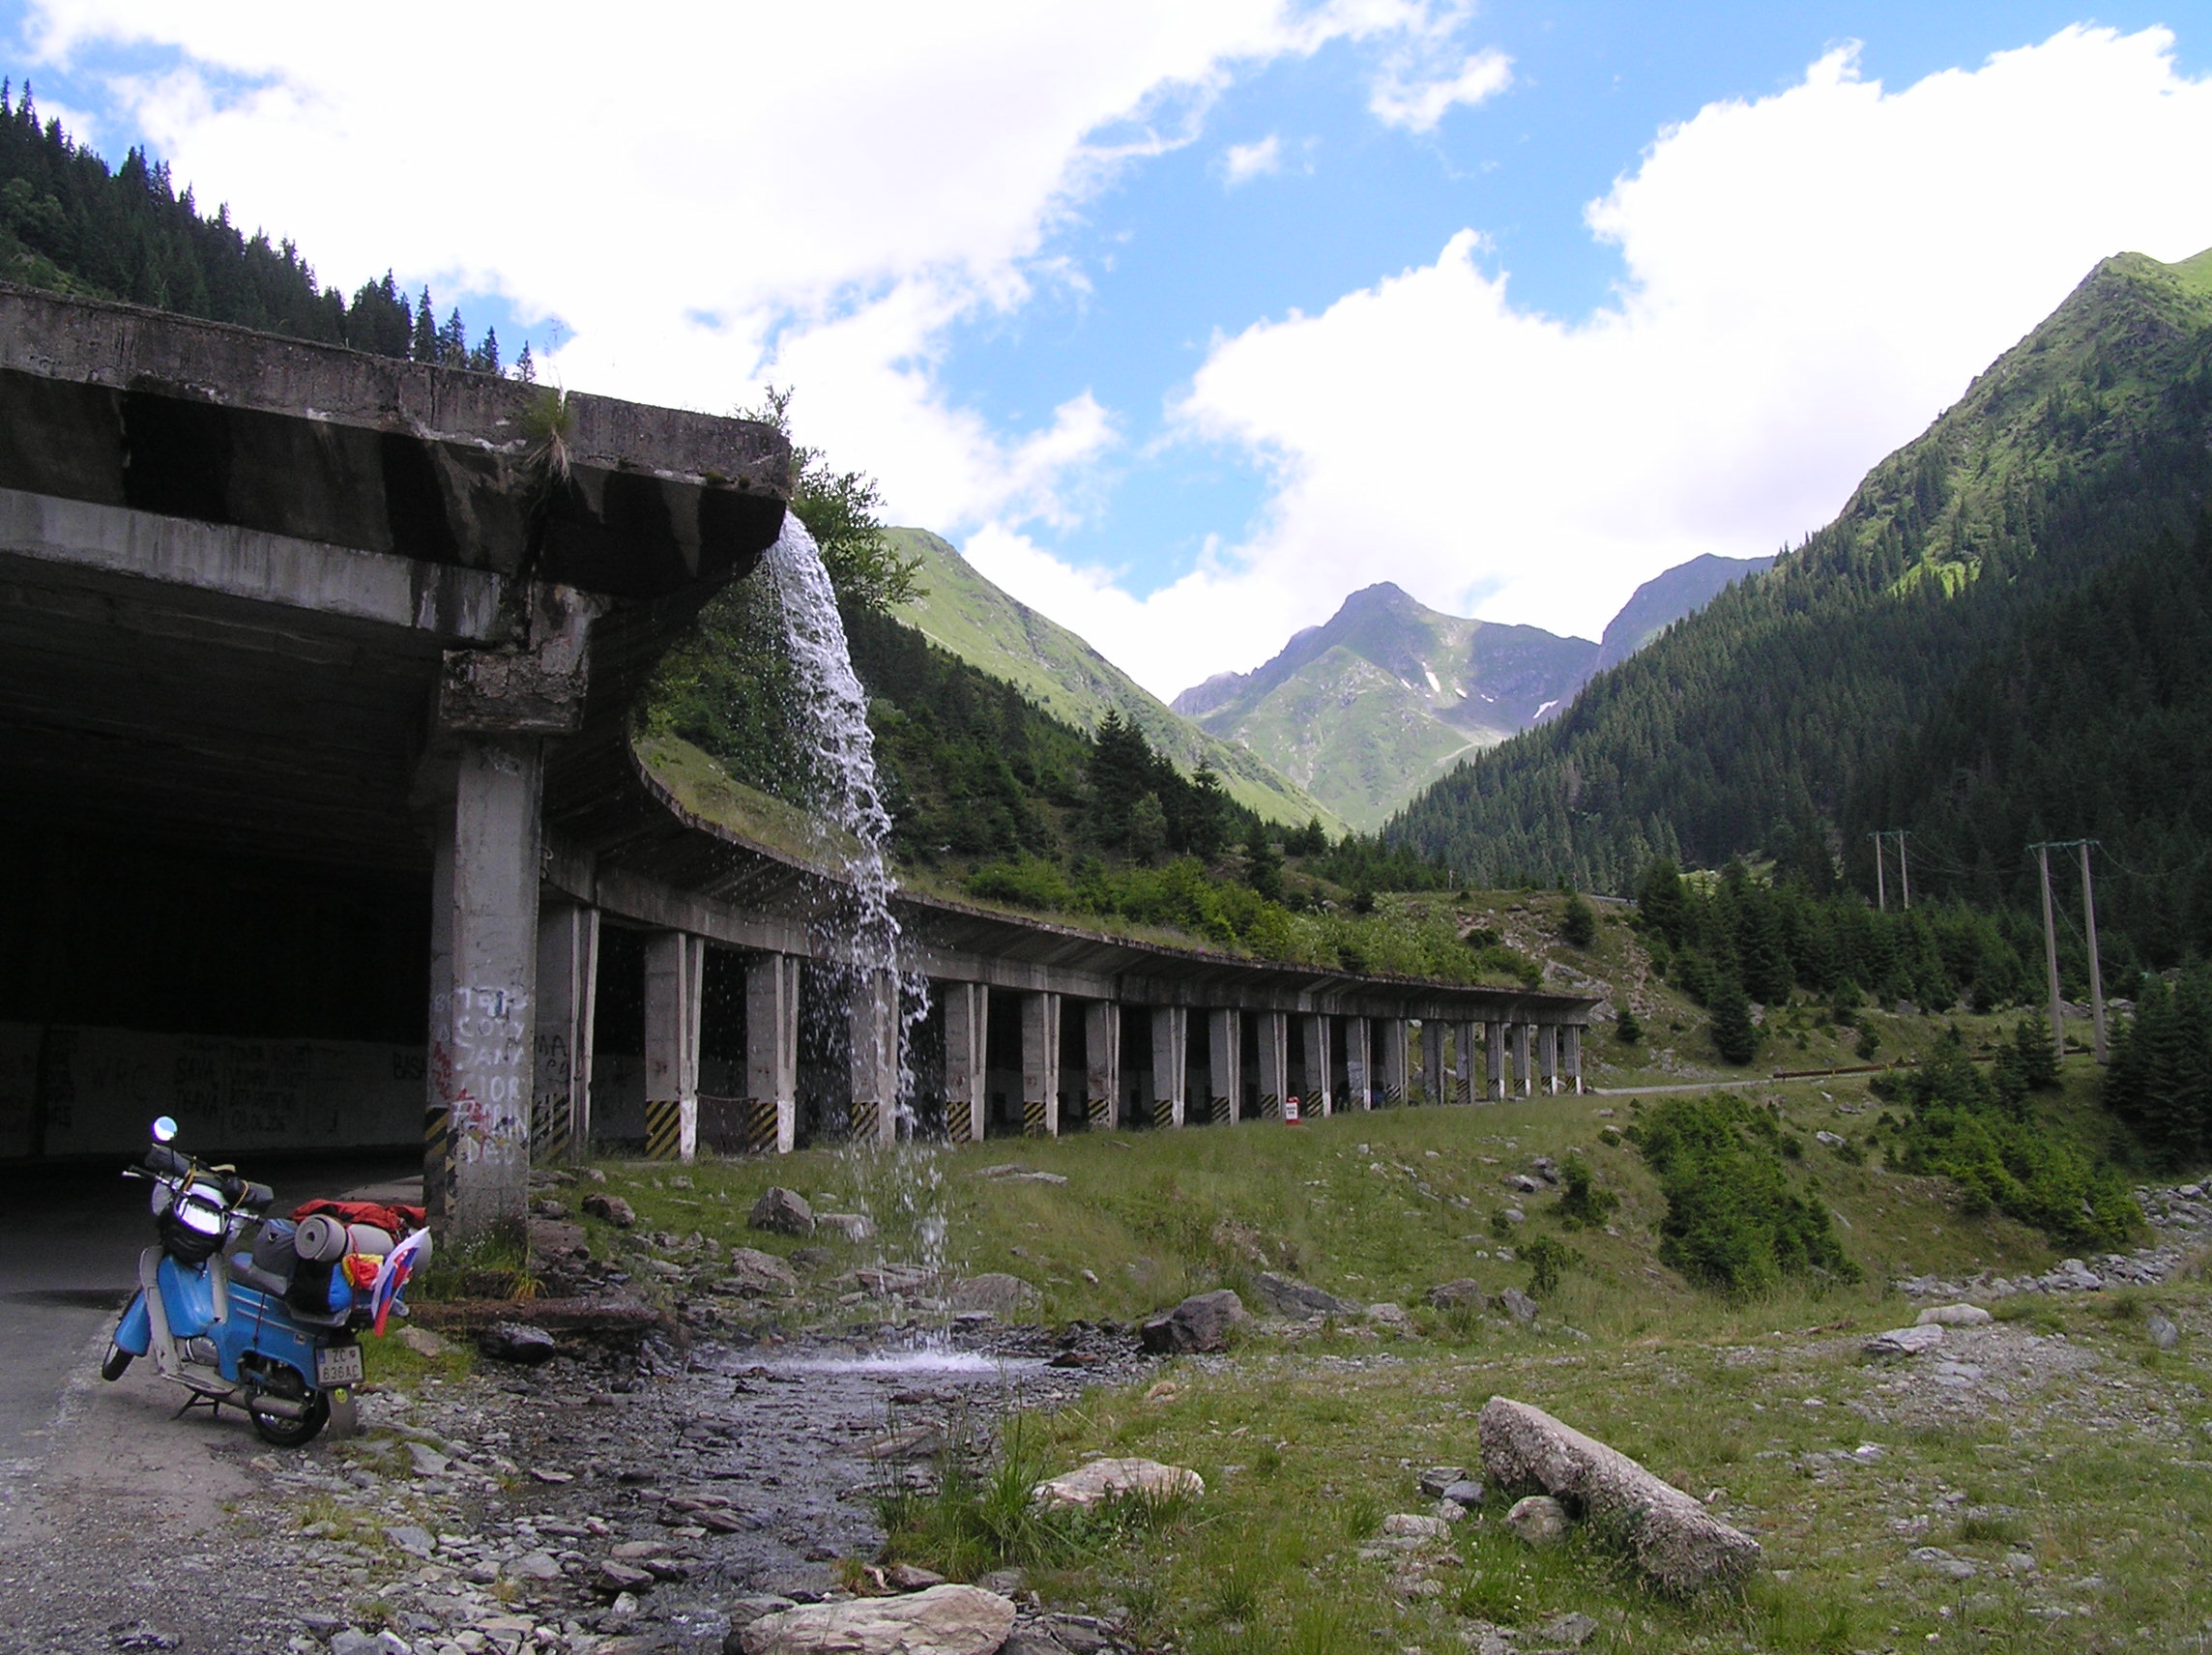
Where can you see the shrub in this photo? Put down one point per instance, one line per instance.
(1577, 923)
(1581, 1204)
(1733, 1220)
(1736, 1038)
(1625, 1026)
(1546, 1257)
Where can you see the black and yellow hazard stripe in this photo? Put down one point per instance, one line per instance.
(1033, 1118)
(663, 1130)
(760, 1119)
(958, 1119)
(1163, 1112)
(1101, 1110)
(1270, 1106)
(861, 1123)
(1223, 1110)
(549, 1131)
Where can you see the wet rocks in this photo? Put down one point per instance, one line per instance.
(1103, 1480)
(610, 1210)
(1285, 1295)
(780, 1211)
(1674, 1538)
(760, 1275)
(517, 1342)
(1203, 1322)
(1953, 1316)
(993, 1294)
(1914, 1341)
(944, 1620)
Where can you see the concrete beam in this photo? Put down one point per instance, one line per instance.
(1224, 1065)
(675, 976)
(483, 1024)
(967, 1030)
(1041, 1065)
(1319, 1097)
(568, 989)
(1171, 1052)
(1523, 1066)
(1274, 1063)
(1102, 1063)
(1572, 1035)
(772, 1052)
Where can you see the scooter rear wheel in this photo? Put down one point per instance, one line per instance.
(117, 1359)
(287, 1433)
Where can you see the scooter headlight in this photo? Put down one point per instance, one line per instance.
(200, 1208)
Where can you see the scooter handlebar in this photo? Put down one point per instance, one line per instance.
(164, 1162)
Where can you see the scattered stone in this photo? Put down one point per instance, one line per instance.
(353, 1641)
(1286, 1295)
(1015, 1172)
(517, 1342)
(547, 1474)
(993, 1294)
(1953, 1316)
(853, 1226)
(1516, 1304)
(1674, 1539)
(1004, 1582)
(1391, 1316)
(426, 1461)
(761, 1275)
(1567, 1631)
(1937, 1562)
(1102, 1480)
(1467, 1494)
(1829, 1140)
(616, 1576)
(422, 1341)
(1415, 1526)
(1522, 1183)
(2020, 1562)
(414, 1540)
(743, 1611)
(911, 1578)
(785, 1212)
(1437, 1478)
(1465, 1292)
(1539, 1520)
(1488, 1638)
(944, 1620)
(1513, 1215)
(2163, 1333)
(534, 1566)
(142, 1634)
(1200, 1322)
(1904, 1340)
(611, 1209)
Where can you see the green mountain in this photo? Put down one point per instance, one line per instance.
(1666, 599)
(961, 611)
(2016, 583)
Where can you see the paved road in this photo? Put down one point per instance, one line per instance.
(70, 1239)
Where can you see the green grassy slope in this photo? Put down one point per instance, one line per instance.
(963, 612)
(1772, 708)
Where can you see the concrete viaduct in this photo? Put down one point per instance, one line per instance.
(328, 820)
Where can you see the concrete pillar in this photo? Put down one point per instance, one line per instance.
(1548, 1055)
(1224, 1065)
(1358, 1063)
(1170, 1054)
(1524, 1071)
(1493, 1059)
(966, 1026)
(873, 1014)
(771, 1053)
(485, 987)
(568, 985)
(1102, 1063)
(1274, 1063)
(675, 970)
(1041, 1065)
(1393, 1060)
(1465, 1087)
(1318, 1099)
(1433, 1089)
(1572, 1035)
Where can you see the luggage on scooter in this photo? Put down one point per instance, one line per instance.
(325, 1238)
(274, 1250)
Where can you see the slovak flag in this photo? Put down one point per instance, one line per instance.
(398, 1265)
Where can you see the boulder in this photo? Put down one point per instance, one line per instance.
(1437, 1478)
(517, 1342)
(1674, 1538)
(1539, 1520)
(851, 1226)
(1464, 1293)
(761, 1275)
(1284, 1296)
(1415, 1526)
(611, 1209)
(1904, 1340)
(993, 1294)
(1101, 1480)
(1516, 1304)
(1466, 1494)
(785, 1212)
(944, 1620)
(1200, 1322)
(1953, 1316)
(2163, 1333)
(422, 1341)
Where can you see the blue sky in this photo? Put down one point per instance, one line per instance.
(1185, 327)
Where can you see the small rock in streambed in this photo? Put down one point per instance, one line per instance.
(517, 1342)
(1953, 1316)
(761, 1275)
(1911, 1341)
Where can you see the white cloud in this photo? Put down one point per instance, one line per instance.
(1246, 162)
(711, 195)
(1811, 278)
(1416, 95)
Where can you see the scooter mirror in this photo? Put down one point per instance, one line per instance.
(164, 1130)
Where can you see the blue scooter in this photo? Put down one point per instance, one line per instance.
(241, 1308)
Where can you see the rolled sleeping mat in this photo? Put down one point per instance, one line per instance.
(325, 1240)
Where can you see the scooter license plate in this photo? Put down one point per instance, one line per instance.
(338, 1365)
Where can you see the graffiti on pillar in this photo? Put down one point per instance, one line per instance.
(479, 1069)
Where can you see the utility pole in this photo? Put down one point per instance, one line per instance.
(1880, 897)
(2051, 954)
(1904, 874)
(2096, 969)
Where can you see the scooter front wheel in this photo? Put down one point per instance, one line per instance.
(117, 1359)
